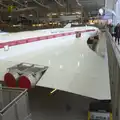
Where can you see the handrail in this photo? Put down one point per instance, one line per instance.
(13, 101)
(113, 41)
(115, 47)
(19, 3)
(114, 71)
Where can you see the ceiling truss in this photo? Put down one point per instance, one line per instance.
(40, 7)
(61, 3)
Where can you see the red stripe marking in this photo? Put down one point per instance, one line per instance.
(29, 40)
(11, 43)
(63, 34)
(51, 36)
(1, 45)
(32, 39)
(83, 31)
(58, 35)
(42, 38)
(21, 41)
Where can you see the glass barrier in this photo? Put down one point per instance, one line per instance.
(114, 74)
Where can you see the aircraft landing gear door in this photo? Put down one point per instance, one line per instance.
(78, 34)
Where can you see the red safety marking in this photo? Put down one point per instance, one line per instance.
(51, 36)
(43, 38)
(29, 40)
(21, 41)
(32, 39)
(83, 31)
(11, 43)
(1, 45)
(63, 34)
(59, 35)
(90, 30)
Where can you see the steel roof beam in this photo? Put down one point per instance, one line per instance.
(3, 5)
(19, 10)
(19, 3)
(59, 3)
(41, 4)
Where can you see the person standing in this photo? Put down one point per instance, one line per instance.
(117, 33)
(110, 28)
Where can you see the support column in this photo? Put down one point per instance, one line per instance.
(114, 75)
(109, 4)
(117, 11)
(115, 6)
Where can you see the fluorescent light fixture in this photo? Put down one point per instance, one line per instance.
(61, 14)
(9, 16)
(101, 11)
(30, 15)
(73, 13)
(54, 13)
(78, 12)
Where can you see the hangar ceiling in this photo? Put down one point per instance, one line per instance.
(40, 8)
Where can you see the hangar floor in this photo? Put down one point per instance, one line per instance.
(58, 106)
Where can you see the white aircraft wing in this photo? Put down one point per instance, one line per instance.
(72, 67)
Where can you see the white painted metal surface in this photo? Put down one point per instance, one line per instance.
(73, 66)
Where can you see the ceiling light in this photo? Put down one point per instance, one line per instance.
(101, 11)
(9, 16)
(30, 15)
(78, 12)
(61, 14)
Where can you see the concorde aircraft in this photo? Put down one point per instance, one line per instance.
(55, 58)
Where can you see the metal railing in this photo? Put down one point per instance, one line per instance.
(14, 104)
(114, 74)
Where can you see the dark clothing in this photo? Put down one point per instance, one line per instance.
(110, 29)
(117, 39)
(117, 33)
